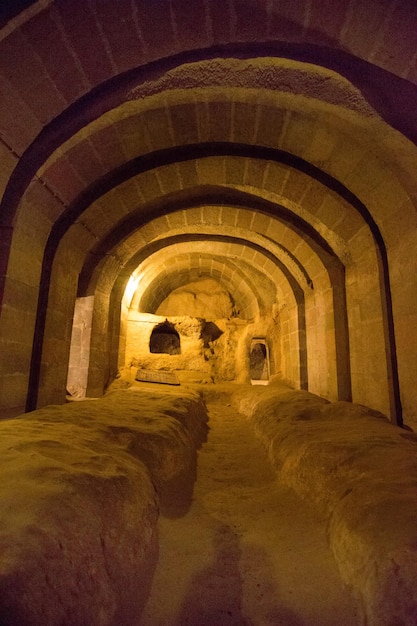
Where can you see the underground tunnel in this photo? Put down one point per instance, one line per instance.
(208, 338)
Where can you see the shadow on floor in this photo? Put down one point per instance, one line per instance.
(215, 594)
(214, 598)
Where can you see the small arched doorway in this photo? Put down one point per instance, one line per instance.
(259, 368)
(165, 339)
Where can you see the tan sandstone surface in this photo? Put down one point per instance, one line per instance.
(79, 505)
(323, 533)
(249, 552)
(361, 473)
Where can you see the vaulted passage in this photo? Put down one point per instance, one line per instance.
(209, 193)
(277, 171)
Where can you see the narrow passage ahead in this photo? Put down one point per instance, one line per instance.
(248, 552)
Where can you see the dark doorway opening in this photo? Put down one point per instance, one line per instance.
(165, 339)
(259, 361)
(210, 332)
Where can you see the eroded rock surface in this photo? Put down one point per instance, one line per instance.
(362, 473)
(203, 298)
(79, 501)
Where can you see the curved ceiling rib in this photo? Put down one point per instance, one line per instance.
(187, 267)
(169, 156)
(173, 155)
(300, 134)
(238, 199)
(398, 95)
(94, 192)
(163, 262)
(147, 251)
(340, 321)
(212, 196)
(262, 277)
(255, 204)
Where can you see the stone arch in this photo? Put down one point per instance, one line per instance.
(46, 131)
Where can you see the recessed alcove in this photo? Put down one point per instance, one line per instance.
(210, 332)
(259, 362)
(165, 339)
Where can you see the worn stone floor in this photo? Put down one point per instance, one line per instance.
(248, 551)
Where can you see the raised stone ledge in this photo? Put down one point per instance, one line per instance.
(80, 492)
(361, 472)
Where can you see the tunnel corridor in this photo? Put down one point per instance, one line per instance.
(249, 551)
(267, 147)
(210, 192)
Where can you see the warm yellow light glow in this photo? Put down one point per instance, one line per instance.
(131, 287)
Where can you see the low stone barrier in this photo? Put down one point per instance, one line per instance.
(361, 472)
(80, 494)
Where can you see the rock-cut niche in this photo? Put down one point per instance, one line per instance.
(259, 361)
(165, 339)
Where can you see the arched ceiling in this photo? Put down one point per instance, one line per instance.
(137, 133)
(221, 258)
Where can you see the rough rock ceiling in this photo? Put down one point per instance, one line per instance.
(281, 136)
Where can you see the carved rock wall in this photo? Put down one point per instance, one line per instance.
(81, 490)
(335, 454)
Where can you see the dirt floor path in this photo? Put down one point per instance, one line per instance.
(248, 551)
